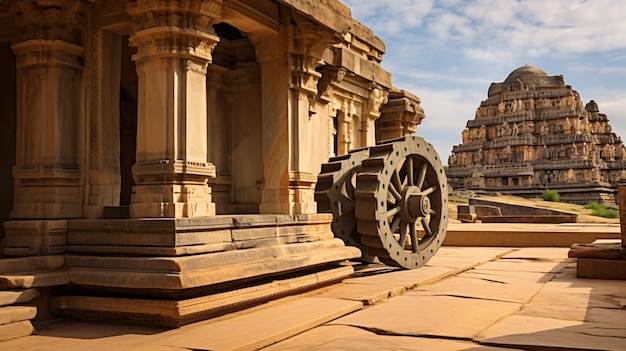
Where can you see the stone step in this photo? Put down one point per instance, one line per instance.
(34, 280)
(30, 264)
(202, 273)
(17, 296)
(16, 330)
(14, 314)
(174, 313)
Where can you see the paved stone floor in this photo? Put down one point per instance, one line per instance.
(467, 298)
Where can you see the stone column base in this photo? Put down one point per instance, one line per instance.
(292, 201)
(171, 201)
(34, 237)
(48, 202)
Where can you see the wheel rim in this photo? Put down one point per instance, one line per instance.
(335, 193)
(401, 202)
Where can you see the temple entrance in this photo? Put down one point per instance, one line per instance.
(234, 132)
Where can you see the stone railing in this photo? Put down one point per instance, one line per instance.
(513, 141)
(574, 164)
(563, 139)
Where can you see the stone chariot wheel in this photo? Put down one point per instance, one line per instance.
(334, 193)
(401, 202)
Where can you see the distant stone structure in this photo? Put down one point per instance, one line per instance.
(534, 133)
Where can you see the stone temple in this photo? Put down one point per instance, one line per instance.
(159, 157)
(532, 133)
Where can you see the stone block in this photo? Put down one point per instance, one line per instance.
(601, 269)
(33, 280)
(14, 314)
(607, 252)
(253, 233)
(17, 296)
(16, 330)
(35, 237)
(154, 233)
(29, 264)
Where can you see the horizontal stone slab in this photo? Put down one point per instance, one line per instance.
(13, 314)
(35, 279)
(16, 330)
(29, 264)
(152, 250)
(17, 296)
(203, 261)
(603, 251)
(203, 272)
(173, 313)
(194, 231)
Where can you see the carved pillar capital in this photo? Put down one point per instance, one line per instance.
(51, 19)
(181, 29)
(42, 52)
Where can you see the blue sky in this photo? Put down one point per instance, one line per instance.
(448, 52)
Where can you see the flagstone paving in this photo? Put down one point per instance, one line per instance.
(466, 298)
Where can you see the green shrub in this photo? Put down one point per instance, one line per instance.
(602, 210)
(550, 195)
(594, 206)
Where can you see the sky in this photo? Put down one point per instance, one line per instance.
(448, 52)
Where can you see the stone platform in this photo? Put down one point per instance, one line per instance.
(171, 272)
(465, 298)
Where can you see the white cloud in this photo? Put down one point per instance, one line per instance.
(448, 52)
(484, 29)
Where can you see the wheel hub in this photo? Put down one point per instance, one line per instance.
(415, 204)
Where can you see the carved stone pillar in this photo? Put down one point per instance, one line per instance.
(49, 167)
(49, 172)
(48, 175)
(400, 116)
(174, 44)
(344, 123)
(287, 150)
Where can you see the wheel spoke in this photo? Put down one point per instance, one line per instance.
(414, 242)
(403, 229)
(396, 179)
(394, 192)
(429, 191)
(394, 211)
(395, 223)
(422, 175)
(409, 170)
(427, 230)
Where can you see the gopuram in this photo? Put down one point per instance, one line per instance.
(535, 133)
(160, 156)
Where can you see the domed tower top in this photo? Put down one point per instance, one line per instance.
(523, 73)
(526, 78)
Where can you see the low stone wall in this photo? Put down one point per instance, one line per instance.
(513, 213)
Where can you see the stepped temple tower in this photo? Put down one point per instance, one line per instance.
(534, 133)
(159, 157)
